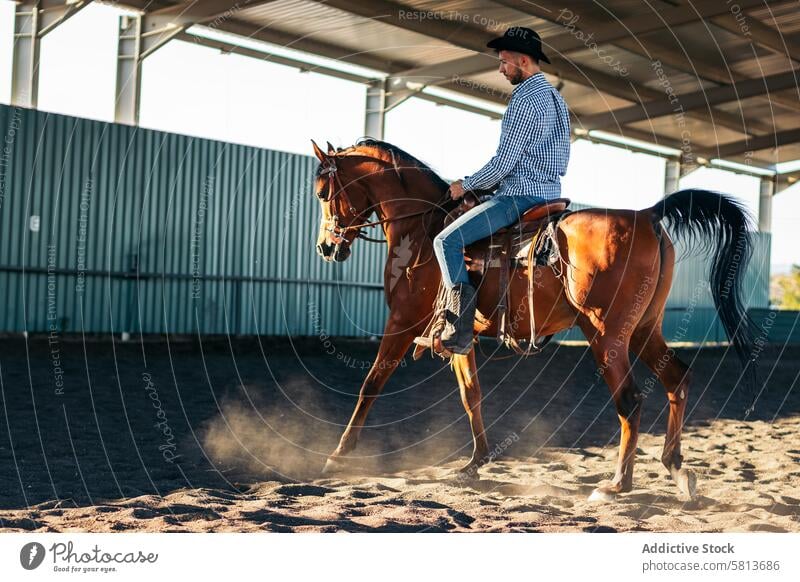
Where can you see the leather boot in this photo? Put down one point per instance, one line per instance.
(458, 333)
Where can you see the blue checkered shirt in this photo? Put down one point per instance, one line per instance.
(534, 144)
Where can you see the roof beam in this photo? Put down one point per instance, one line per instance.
(33, 19)
(630, 27)
(141, 35)
(601, 81)
(720, 13)
(399, 15)
(54, 13)
(302, 66)
(761, 142)
(438, 73)
(763, 35)
(305, 44)
(695, 100)
(601, 33)
(472, 38)
(287, 40)
(696, 65)
(161, 25)
(787, 180)
(309, 45)
(305, 66)
(634, 39)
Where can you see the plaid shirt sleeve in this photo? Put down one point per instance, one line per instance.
(525, 123)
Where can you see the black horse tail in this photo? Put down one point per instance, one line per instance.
(719, 225)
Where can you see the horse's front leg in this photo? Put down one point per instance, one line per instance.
(396, 340)
(467, 375)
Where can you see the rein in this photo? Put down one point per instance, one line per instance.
(334, 179)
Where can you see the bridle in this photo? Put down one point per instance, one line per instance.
(334, 195)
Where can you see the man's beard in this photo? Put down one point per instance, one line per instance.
(516, 79)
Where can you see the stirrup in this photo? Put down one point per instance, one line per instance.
(429, 341)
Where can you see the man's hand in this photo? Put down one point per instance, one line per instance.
(456, 190)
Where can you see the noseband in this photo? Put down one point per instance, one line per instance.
(334, 228)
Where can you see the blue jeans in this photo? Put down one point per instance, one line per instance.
(475, 224)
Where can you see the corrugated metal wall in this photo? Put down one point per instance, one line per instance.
(145, 231)
(778, 326)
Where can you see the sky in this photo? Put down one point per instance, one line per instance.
(198, 91)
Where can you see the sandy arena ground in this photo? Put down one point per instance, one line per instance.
(169, 437)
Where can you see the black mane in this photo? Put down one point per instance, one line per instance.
(404, 157)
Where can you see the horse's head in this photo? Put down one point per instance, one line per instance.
(343, 196)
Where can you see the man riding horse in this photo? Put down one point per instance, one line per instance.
(615, 267)
(527, 169)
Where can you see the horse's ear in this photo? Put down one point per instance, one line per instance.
(331, 149)
(318, 152)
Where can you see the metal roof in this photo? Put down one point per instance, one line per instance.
(606, 57)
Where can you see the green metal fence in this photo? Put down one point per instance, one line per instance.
(110, 228)
(777, 326)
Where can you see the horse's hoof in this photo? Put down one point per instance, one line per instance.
(603, 495)
(332, 465)
(468, 472)
(686, 482)
(608, 490)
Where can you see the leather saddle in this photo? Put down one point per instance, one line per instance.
(530, 240)
(536, 227)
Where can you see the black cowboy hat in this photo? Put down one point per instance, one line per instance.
(520, 40)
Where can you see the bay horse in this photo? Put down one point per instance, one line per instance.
(618, 272)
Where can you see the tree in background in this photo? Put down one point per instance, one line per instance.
(785, 289)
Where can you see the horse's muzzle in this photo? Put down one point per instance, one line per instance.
(324, 250)
(336, 253)
(341, 252)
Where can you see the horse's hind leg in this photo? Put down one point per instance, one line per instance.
(675, 375)
(467, 374)
(611, 354)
